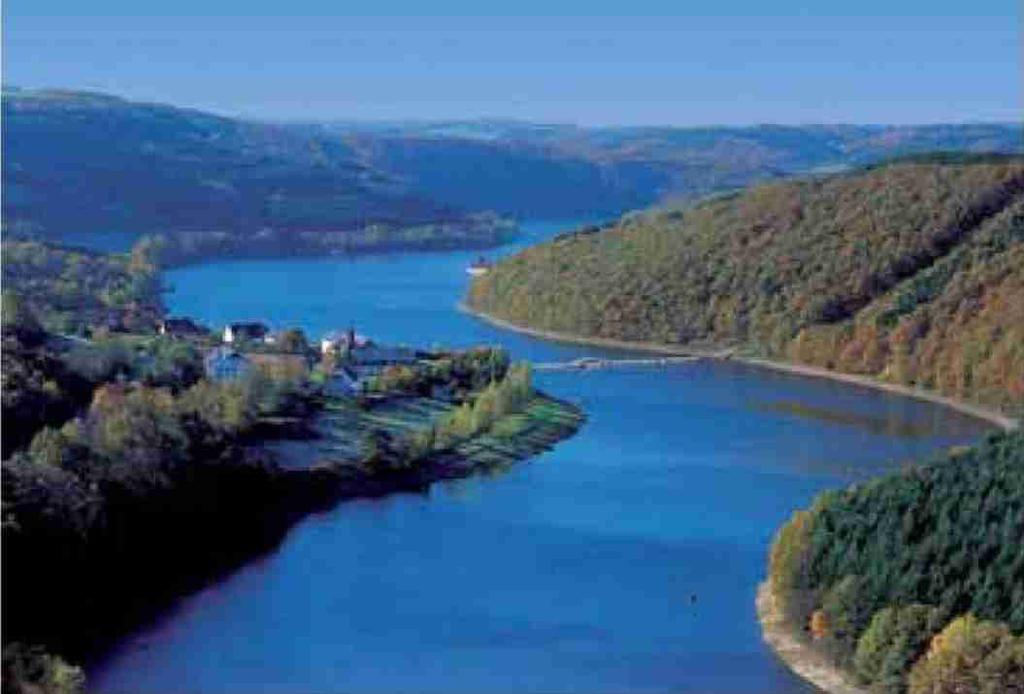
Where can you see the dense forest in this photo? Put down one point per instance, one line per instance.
(915, 581)
(72, 290)
(52, 297)
(912, 272)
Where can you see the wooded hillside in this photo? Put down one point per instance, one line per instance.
(912, 272)
(893, 578)
(79, 162)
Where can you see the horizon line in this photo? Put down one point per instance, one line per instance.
(365, 121)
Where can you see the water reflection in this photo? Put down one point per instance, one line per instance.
(889, 425)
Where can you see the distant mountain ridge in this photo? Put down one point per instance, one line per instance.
(85, 162)
(911, 272)
(564, 170)
(88, 162)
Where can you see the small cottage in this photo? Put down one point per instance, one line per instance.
(245, 332)
(181, 327)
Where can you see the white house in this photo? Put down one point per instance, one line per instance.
(335, 342)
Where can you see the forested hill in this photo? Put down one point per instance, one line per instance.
(83, 162)
(912, 272)
(915, 581)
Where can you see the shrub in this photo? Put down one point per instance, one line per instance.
(31, 670)
(971, 655)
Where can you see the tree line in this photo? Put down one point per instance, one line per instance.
(915, 581)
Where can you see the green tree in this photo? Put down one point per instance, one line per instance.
(175, 364)
(788, 565)
(848, 606)
(49, 447)
(893, 641)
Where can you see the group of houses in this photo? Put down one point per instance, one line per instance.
(358, 359)
(355, 358)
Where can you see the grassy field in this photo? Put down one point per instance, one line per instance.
(344, 425)
(540, 426)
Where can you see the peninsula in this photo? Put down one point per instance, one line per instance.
(129, 433)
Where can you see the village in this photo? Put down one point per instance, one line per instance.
(346, 361)
(381, 407)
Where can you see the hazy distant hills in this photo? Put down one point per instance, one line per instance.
(560, 170)
(78, 161)
(912, 272)
(87, 162)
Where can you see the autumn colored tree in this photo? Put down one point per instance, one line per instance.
(911, 272)
(970, 655)
(819, 626)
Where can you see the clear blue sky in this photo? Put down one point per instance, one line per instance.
(679, 62)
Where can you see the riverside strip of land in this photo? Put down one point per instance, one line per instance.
(692, 352)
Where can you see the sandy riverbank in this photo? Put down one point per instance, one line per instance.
(728, 353)
(810, 665)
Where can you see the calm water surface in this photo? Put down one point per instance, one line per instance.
(573, 572)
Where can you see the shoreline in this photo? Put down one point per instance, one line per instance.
(199, 260)
(982, 412)
(798, 657)
(810, 666)
(298, 493)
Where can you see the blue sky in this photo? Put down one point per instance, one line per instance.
(676, 63)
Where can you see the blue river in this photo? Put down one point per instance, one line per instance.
(626, 559)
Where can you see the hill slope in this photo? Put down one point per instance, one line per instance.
(911, 272)
(560, 171)
(78, 162)
(82, 162)
(871, 574)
